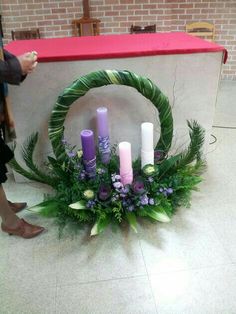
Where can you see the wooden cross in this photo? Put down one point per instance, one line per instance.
(86, 9)
(86, 26)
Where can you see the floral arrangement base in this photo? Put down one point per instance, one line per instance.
(156, 191)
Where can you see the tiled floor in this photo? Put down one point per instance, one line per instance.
(185, 267)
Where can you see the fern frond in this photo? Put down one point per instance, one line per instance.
(82, 216)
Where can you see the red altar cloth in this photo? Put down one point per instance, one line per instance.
(113, 46)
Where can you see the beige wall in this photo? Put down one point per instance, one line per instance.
(54, 18)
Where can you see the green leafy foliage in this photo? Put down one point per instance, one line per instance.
(47, 208)
(101, 223)
(154, 194)
(132, 220)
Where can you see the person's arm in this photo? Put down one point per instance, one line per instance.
(14, 69)
(10, 69)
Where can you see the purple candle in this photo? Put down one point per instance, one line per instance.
(102, 122)
(103, 135)
(89, 154)
(88, 145)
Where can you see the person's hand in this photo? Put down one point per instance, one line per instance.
(28, 62)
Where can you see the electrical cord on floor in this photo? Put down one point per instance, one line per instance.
(220, 127)
(214, 139)
(224, 127)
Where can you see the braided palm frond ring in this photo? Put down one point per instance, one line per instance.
(107, 77)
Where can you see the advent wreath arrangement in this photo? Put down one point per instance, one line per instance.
(97, 186)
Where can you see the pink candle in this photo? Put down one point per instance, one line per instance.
(126, 171)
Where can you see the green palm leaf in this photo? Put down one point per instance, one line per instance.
(25, 173)
(132, 220)
(46, 208)
(193, 152)
(158, 214)
(101, 223)
(101, 78)
(27, 153)
(168, 164)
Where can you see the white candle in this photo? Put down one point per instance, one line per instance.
(147, 151)
(126, 171)
(147, 136)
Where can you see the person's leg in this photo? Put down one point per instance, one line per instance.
(11, 224)
(9, 218)
(17, 207)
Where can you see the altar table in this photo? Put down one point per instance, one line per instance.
(187, 69)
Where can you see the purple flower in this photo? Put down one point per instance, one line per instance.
(151, 201)
(144, 200)
(82, 175)
(71, 154)
(125, 189)
(159, 155)
(138, 187)
(118, 185)
(150, 179)
(104, 192)
(115, 177)
(90, 204)
(166, 191)
(169, 191)
(131, 208)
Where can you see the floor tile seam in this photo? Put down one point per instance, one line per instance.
(192, 269)
(56, 296)
(76, 283)
(32, 284)
(149, 281)
(54, 300)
